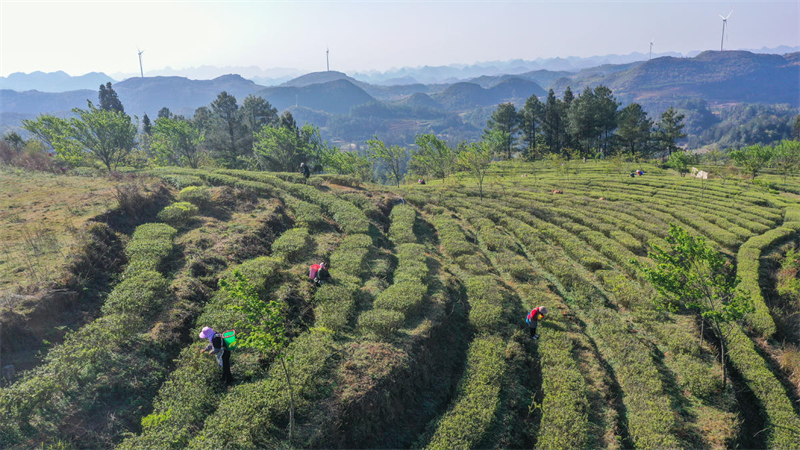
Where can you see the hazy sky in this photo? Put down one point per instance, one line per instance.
(80, 37)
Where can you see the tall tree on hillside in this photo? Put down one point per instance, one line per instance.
(691, 274)
(228, 134)
(786, 158)
(258, 113)
(567, 139)
(476, 158)
(433, 157)
(147, 127)
(391, 157)
(670, 130)
(55, 133)
(280, 149)
(606, 107)
(177, 141)
(752, 159)
(530, 119)
(568, 97)
(14, 140)
(286, 120)
(553, 126)
(164, 113)
(583, 120)
(109, 101)
(107, 134)
(634, 127)
(506, 120)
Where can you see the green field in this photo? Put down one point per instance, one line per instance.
(421, 339)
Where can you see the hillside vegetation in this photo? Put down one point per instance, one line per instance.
(420, 339)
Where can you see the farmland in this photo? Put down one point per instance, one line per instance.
(420, 340)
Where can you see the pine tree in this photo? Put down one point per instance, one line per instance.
(164, 113)
(530, 118)
(552, 126)
(109, 101)
(147, 127)
(670, 129)
(505, 120)
(634, 127)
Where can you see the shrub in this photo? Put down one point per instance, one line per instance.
(781, 420)
(196, 195)
(402, 229)
(182, 181)
(137, 295)
(183, 402)
(342, 180)
(748, 260)
(486, 301)
(411, 264)
(149, 247)
(177, 214)
(292, 243)
(465, 425)
(695, 376)
(404, 297)
(305, 214)
(335, 303)
(351, 255)
(452, 237)
(263, 272)
(565, 422)
(381, 322)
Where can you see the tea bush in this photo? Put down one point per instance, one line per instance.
(196, 195)
(748, 260)
(466, 423)
(292, 243)
(178, 213)
(404, 297)
(381, 322)
(401, 230)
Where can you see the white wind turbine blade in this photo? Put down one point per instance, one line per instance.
(729, 14)
(723, 17)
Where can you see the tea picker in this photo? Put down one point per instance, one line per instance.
(220, 345)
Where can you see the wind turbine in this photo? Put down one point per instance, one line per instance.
(651, 48)
(724, 25)
(328, 59)
(141, 70)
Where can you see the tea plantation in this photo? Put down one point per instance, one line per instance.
(420, 340)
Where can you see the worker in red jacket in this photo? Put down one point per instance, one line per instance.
(533, 319)
(319, 273)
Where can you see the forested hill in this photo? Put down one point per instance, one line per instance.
(465, 96)
(333, 97)
(717, 77)
(139, 95)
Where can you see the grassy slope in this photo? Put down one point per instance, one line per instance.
(38, 213)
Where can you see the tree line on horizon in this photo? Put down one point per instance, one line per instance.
(254, 136)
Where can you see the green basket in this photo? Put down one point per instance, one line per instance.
(230, 339)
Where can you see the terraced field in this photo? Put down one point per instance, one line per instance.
(420, 341)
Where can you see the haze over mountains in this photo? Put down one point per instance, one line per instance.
(60, 81)
(715, 77)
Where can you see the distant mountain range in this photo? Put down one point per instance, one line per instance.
(423, 75)
(53, 81)
(717, 77)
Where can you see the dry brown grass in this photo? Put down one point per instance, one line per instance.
(40, 218)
